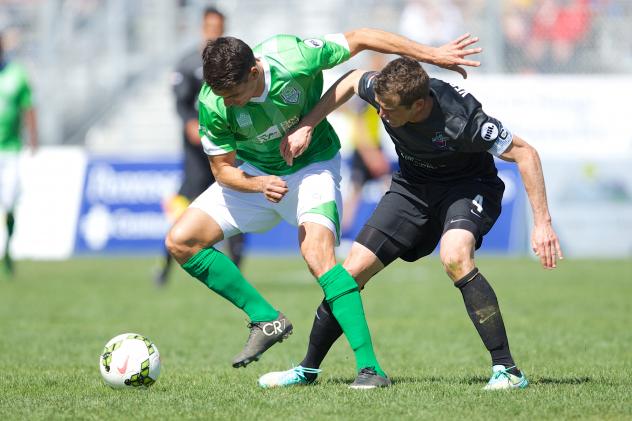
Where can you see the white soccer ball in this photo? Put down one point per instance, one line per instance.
(129, 360)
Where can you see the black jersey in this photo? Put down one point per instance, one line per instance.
(456, 142)
(187, 81)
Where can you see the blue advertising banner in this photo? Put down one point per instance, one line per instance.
(121, 209)
(508, 236)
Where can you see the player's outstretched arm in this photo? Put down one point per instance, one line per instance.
(228, 175)
(450, 56)
(544, 241)
(296, 141)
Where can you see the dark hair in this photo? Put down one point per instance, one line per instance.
(403, 77)
(226, 61)
(211, 10)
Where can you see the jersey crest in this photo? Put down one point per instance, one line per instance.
(243, 119)
(290, 95)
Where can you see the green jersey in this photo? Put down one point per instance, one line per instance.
(15, 97)
(293, 85)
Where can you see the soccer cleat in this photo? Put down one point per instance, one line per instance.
(291, 377)
(502, 379)
(368, 378)
(262, 336)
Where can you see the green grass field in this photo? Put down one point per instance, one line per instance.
(570, 331)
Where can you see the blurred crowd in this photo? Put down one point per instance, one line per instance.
(538, 36)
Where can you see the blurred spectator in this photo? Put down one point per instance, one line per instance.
(16, 109)
(368, 161)
(187, 81)
(432, 22)
(558, 28)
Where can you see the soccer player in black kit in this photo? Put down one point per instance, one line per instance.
(446, 192)
(187, 81)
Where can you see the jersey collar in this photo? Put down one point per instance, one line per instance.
(266, 74)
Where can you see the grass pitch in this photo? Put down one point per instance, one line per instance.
(570, 330)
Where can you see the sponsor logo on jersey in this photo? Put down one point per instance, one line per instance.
(503, 134)
(243, 119)
(440, 140)
(288, 124)
(314, 43)
(459, 90)
(290, 95)
(489, 131)
(273, 132)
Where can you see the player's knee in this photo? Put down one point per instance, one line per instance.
(456, 261)
(179, 244)
(318, 260)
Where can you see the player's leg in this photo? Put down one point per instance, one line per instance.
(236, 248)
(399, 220)
(190, 241)
(9, 187)
(7, 259)
(467, 220)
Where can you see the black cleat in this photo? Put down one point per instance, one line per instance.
(368, 378)
(262, 336)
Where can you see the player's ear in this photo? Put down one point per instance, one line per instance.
(254, 73)
(418, 105)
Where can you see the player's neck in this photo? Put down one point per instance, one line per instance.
(424, 112)
(261, 79)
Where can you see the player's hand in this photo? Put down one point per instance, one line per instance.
(295, 142)
(546, 246)
(273, 188)
(453, 55)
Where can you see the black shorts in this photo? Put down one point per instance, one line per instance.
(414, 217)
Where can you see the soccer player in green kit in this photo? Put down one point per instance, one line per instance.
(15, 109)
(250, 99)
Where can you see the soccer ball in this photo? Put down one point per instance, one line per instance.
(129, 360)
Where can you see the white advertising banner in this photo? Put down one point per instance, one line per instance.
(563, 116)
(47, 211)
(591, 205)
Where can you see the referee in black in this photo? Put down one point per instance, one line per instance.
(187, 81)
(446, 192)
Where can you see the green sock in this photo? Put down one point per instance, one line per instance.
(220, 274)
(341, 292)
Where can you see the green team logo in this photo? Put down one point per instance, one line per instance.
(290, 95)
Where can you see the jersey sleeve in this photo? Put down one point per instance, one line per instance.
(485, 133)
(217, 139)
(366, 90)
(324, 52)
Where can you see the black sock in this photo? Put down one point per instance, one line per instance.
(482, 306)
(325, 331)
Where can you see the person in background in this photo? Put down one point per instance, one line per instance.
(16, 111)
(187, 82)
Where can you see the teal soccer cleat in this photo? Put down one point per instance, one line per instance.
(502, 379)
(291, 377)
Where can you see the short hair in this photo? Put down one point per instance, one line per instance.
(226, 62)
(212, 10)
(403, 77)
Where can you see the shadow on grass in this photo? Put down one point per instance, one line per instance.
(472, 380)
(569, 380)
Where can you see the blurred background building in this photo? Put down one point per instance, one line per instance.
(556, 71)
